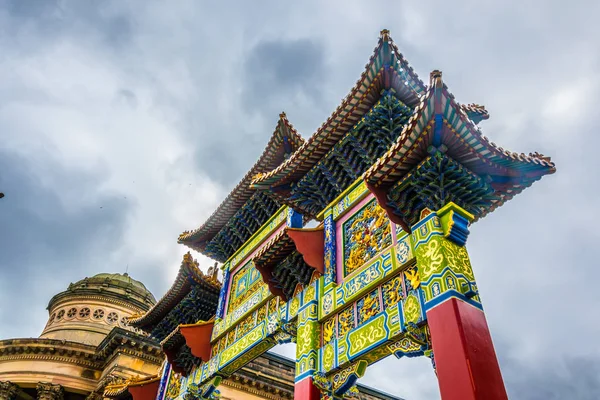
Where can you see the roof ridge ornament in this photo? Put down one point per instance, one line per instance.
(434, 75)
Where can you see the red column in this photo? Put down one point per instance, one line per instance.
(306, 390)
(466, 363)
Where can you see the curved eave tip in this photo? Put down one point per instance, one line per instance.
(258, 185)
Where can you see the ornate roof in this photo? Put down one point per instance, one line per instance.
(188, 277)
(441, 122)
(289, 259)
(475, 112)
(187, 345)
(386, 69)
(178, 353)
(284, 141)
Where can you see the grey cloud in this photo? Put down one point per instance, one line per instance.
(550, 378)
(534, 258)
(276, 76)
(127, 97)
(276, 69)
(55, 19)
(47, 243)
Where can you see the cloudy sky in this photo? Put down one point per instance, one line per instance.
(124, 123)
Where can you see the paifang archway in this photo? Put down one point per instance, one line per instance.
(394, 177)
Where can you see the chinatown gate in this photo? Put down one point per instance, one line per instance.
(393, 178)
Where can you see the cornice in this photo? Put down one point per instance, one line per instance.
(64, 297)
(95, 357)
(51, 357)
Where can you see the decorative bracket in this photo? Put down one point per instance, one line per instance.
(345, 379)
(470, 289)
(455, 222)
(209, 390)
(415, 343)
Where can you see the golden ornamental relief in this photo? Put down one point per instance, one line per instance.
(328, 357)
(413, 276)
(458, 258)
(365, 234)
(305, 338)
(412, 309)
(294, 304)
(310, 293)
(431, 258)
(367, 335)
(328, 330)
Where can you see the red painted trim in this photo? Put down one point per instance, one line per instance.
(171, 360)
(311, 244)
(466, 363)
(267, 278)
(197, 337)
(144, 392)
(306, 390)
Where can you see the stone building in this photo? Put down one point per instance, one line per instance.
(85, 345)
(88, 349)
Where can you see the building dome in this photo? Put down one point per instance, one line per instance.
(91, 307)
(122, 280)
(86, 343)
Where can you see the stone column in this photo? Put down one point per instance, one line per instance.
(49, 391)
(463, 352)
(8, 390)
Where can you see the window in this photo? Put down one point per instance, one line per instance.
(84, 312)
(112, 317)
(98, 313)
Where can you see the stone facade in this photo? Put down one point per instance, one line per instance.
(85, 344)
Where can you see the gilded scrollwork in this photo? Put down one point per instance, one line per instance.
(367, 335)
(366, 233)
(431, 258)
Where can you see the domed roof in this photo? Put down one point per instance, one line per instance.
(123, 281)
(120, 287)
(116, 277)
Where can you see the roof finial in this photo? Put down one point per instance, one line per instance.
(435, 75)
(282, 115)
(384, 34)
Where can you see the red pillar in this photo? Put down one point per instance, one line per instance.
(306, 390)
(466, 363)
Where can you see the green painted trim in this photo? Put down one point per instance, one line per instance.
(248, 246)
(233, 324)
(457, 209)
(330, 207)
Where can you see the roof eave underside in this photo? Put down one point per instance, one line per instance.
(242, 191)
(465, 142)
(386, 69)
(188, 275)
(459, 132)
